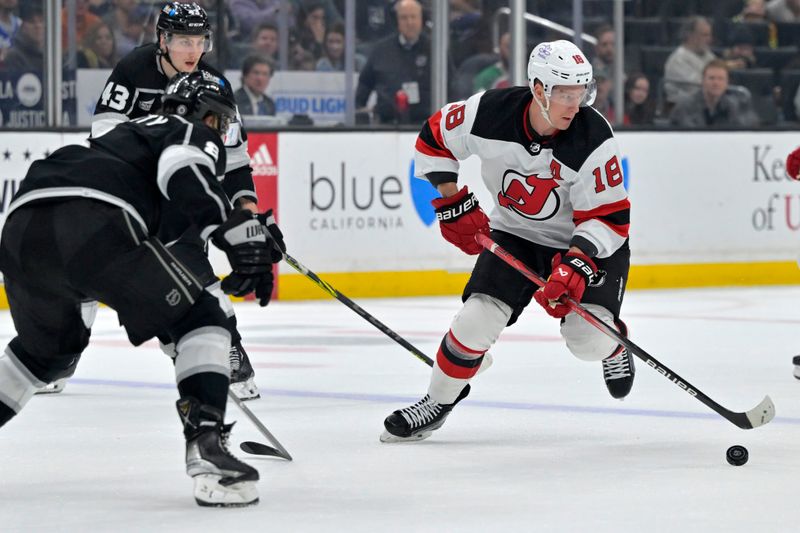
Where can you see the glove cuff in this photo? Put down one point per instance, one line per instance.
(580, 263)
(454, 207)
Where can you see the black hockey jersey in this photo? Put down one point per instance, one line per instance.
(151, 163)
(555, 191)
(134, 90)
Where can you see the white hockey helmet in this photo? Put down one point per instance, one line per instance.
(561, 63)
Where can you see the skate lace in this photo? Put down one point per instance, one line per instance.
(225, 438)
(616, 367)
(235, 358)
(421, 412)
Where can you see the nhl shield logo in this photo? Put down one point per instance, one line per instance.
(535, 148)
(173, 297)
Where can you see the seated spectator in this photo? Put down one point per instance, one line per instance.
(783, 10)
(98, 49)
(741, 53)
(495, 76)
(333, 52)
(252, 14)
(399, 71)
(128, 24)
(251, 97)
(27, 48)
(84, 19)
(604, 50)
(603, 102)
(9, 25)
(311, 26)
(756, 11)
(640, 107)
(265, 41)
(683, 70)
(713, 105)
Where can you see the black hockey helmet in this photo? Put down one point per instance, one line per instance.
(195, 95)
(184, 19)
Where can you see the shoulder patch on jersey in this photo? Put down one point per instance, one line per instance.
(588, 131)
(500, 115)
(211, 149)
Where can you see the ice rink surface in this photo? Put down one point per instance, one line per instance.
(538, 446)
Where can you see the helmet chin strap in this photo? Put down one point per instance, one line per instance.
(544, 109)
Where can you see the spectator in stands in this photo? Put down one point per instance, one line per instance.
(27, 48)
(251, 97)
(713, 105)
(98, 49)
(9, 25)
(252, 14)
(265, 41)
(84, 19)
(399, 70)
(755, 11)
(783, 10)
(99, 7)
(604, 50)
(683, 70)
(741, 53)
(333, 52)
(128, 24)
(603, 102)
(311, 26)
(495, 76)
(640, 107)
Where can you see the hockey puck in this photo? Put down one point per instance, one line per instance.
(737, 455)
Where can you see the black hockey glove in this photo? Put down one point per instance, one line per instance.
(249, 248)
(279, 248)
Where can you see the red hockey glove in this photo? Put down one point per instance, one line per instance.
(460, 219)
(570, 278)
(793, 164)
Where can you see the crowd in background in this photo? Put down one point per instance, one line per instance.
(731, 63)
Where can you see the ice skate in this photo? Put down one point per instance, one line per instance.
(619, 370)
(796, 362)
(54, 387)
(220, 479)
(418, 421)
(243, 376)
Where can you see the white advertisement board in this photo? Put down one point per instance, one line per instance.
(349, 203)
(711, 197)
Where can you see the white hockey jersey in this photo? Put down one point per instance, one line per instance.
(557, 190)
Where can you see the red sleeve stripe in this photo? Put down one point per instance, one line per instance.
(615, 215)
(423, 148)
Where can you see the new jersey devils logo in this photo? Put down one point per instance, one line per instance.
(529, 196)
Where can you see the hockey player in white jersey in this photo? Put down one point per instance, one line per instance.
(554, 169)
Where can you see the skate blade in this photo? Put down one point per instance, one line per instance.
(53, 388)
(389, 438)
(208, 492)
(245, 390)
(797, 372)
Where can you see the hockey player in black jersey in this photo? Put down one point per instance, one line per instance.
(133, 90)
(84, 224)
(553, 167)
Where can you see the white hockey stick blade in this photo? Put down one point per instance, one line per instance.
(761, 413)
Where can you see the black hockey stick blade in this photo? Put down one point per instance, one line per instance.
(256, 448)
(757, 416)
(282, 452)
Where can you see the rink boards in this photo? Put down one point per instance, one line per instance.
(708, 209)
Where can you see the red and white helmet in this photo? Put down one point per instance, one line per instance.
(561, 63)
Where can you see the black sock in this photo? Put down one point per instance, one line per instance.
(209, 388)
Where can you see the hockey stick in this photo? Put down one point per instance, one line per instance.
(297, 265)
(757, 416)
(256, 448)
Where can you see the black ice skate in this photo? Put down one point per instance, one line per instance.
(418, 421)
(243, 383)
(796, 362)
(618, 369)
(220, 479)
